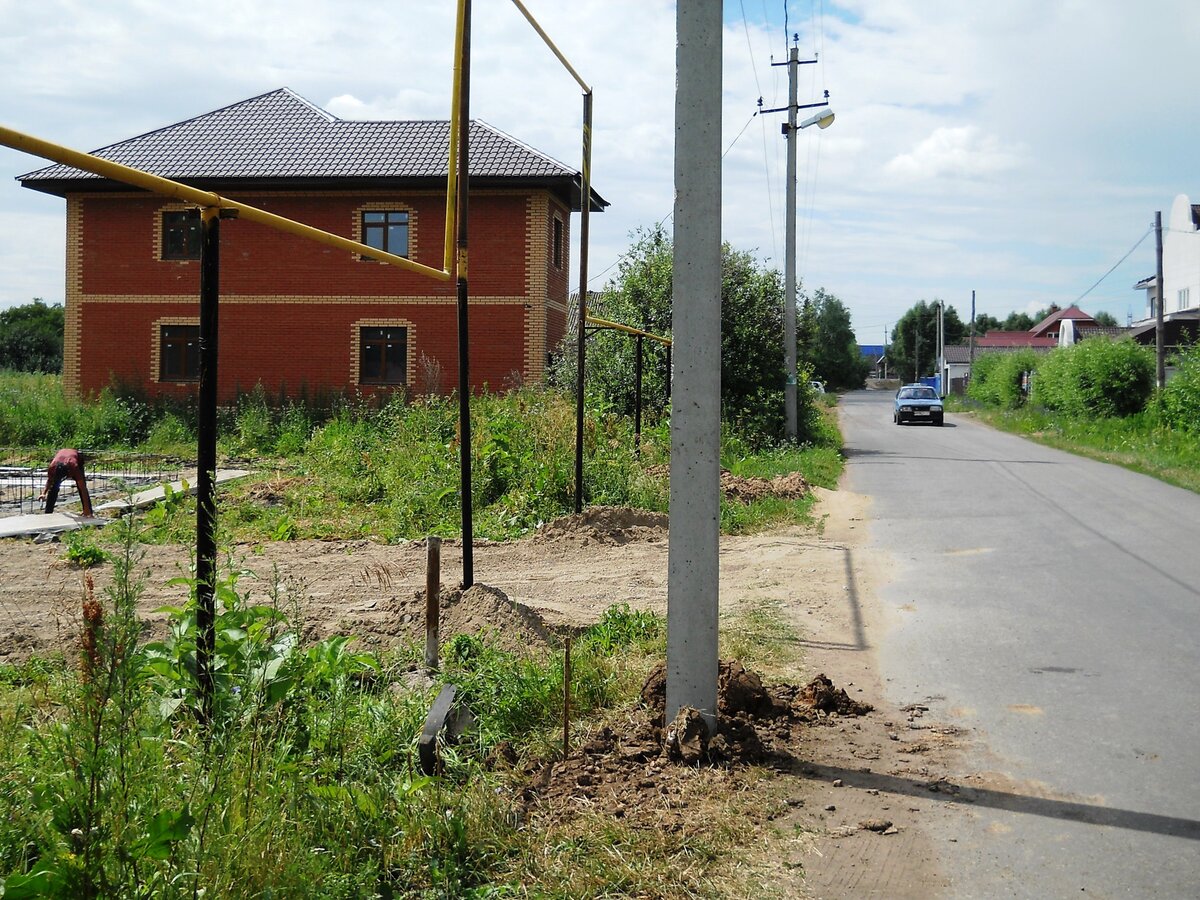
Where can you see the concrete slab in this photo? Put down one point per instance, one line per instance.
(149, 497)
(46, 523)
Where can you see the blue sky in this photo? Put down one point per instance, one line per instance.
(1019, 149)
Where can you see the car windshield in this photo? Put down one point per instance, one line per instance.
(921, 393)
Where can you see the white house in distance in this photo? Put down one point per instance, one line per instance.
(1181, 270)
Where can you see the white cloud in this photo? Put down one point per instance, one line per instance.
(961, 151)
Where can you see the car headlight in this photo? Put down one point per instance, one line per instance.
(906, 409)
(935, 409)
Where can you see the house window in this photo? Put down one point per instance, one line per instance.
(179, 353)
(383, 355)
(181, 235)
(386, 230)
(1184, 297)
(558, 243)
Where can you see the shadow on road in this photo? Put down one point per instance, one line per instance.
(944, 789)
(856, 620)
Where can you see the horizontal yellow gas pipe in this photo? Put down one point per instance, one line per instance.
(203, 199)
(629, 329)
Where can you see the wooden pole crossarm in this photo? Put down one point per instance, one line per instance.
(628, 329)
(204, 199)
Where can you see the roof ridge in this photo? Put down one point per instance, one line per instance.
(522, 144)
(220, 109)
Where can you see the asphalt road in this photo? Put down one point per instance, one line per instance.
(1050, 605)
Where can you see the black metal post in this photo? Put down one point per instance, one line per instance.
(637, 400)
(669, 374)
(585, 206)
(206, 458)
(464, 381)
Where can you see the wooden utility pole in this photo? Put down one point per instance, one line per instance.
(1159, 349)
(971, 363)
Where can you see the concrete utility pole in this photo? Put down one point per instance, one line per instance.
(695, 501)
(821, 120)
(789, 266)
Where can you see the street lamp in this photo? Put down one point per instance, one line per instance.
(821, 120)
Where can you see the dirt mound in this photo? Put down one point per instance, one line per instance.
(820, 694)
(791, 486)
(739, 692)
(655, 774)
(480, 609)
(788, 487)
(605, 525)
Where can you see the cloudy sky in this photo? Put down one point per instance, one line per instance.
(1018, 148)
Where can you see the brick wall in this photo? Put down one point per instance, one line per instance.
(290, 308)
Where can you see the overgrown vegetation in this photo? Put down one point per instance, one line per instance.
(305, 782)
(1097, 398)
(391, 472)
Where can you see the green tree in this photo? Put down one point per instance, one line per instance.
(913, 350)
(832, 350)
(985, 323)
(31, 337)
(1019, 321)
(1107, 319)
(752, 368)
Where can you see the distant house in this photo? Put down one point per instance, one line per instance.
(1014, 340)
(1181, 276)
(875, 355)
(1052, 325)
(297, 316)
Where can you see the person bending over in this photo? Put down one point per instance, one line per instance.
(66, 462)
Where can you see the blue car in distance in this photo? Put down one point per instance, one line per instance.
(917, 403)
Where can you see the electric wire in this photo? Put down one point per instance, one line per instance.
(750, 49)
(1149, 231)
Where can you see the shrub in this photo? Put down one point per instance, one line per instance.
(997, 378)
(1181, 396)
(1097, 378)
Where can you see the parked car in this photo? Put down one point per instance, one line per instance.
(917, 403)
(818, 387)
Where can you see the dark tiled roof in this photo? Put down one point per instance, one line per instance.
(280, 135)
(1087, 331)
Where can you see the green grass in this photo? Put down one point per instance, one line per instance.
(1142, 442)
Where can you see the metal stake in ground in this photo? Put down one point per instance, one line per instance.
(433, 586)
(567, 698)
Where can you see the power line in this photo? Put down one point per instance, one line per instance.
(1149, 231)
(749, 48)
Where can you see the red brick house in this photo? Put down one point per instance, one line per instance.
(299, 316)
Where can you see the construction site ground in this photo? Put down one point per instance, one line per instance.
(854, 796)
